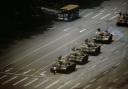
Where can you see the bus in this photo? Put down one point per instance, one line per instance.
(68, 12)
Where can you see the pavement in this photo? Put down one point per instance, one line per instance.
(26, 64)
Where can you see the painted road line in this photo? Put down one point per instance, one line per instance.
(110, 88)
(27, 71)
(115, 80)
(20, 58)
(66, 29)
(96, 15)
(105, 16)
(31, 82)
(9, 80)
(83, 30)
(54, 51)
(113, 17)
(103, 10)
(93, 66)
(8, 70)
(50, 85)
(64, 84)
(87, 14)
(93, 80)
(117, 64)
(105, 59)
(89, 85)
(41, 83)
(99, 87)
(81, 74)
(43, 73)
(3, 77)
(76, 85)
(114, 8)
(20, 81)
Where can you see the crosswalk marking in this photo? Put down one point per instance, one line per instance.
(27, 71)
(103, 10)
(64, 84)
(88, 86)
(8, 70)
(113, 17)
(52, 84)
(83, 30)
(9, 80)
(3, 76)
(96, 15)
(105, 16)
(88, 14)
(20, 81)
(31, 82)
(76, 85)
(41, 83)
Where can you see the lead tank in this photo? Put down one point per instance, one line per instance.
(102, 36)
(63, 65)
(90, 47)
(77, 56)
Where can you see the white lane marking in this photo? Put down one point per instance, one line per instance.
(117, 51)
(66, 29)
(87, 14)
(41, 83)
(20, 81)
(110, 88)
(105, 16)
(8, 70)
(99, 87)
(96, 15)
(31, 82)
(113, 17)
(64, 84)
(103, 10)
(43, 73)
(114, 8)
(93, 66)
(76, 85)
(89, 85)
(105, 59)
(9, 80)
(81, 74)
(83, 30)
(3, 76)
(54, 51)
(27, 71)
(93, 80)
(115, 80)
(50, 85)
(117, 64)
(20, 58)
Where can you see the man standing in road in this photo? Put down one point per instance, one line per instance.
(54, 70)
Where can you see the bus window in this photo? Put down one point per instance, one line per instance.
(68, 12)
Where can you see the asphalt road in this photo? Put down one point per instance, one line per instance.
(26, 64)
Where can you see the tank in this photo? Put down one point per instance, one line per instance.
(122, 19)
(63, 65)
(90, 47)
(77, 56)
(103, 37)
